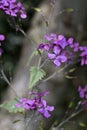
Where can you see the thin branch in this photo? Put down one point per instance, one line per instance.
(44, 63)
(39, 62)
(70, 117)
(8, 82)
(54, 74)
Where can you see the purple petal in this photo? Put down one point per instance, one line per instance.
(62, 58)
(50, 37)
(41, 110)
(2, 37)
(18, 105)
(46, 114)
(50, 108)
(57, 63)
(26, 106)
(79, 88)
(46, 47)
(60, 37)
(82, 61)
(70, 40)
(44, 103)
(23, 100)
(23, 15)
(41, 46)
(56, 50)
(31, 102)
(81, 94)
(51, 56)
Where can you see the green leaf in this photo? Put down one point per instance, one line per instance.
(71, 104)
(34, 53)
(41, 126)
(16, 121)
(36, 74)
(69, 77)
(82, 124)
(72, 70)
(37, 9)
(69, 10)
(10, 106)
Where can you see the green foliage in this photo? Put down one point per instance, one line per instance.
(71, 104)
(69, 10)
(36, 74)
(16, 121)
(41, 126)
(37, 9)
(72, 70)
(82, 124)
(70, 77)
(10, 106)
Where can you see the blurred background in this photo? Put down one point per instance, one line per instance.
(66, 17)
(14, 40)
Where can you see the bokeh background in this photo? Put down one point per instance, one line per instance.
(70, 23)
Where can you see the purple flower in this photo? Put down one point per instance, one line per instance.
(76, 47)
(44, 110)
(50, 37)
(83, 95)
(51, 55)
(83, 55)
(82, 92)
(45, 46)
(60, 50)
(61, 41)
(36, 103)
(56, 49)
(2, 37)
(60, 59)
(12, 8)
(70, 41)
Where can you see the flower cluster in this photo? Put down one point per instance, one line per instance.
(12, 8)
(56, 48)
(83, 95)
(2, 37)
(36, 103)
(60, 50)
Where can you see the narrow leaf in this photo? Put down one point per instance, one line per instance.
(82, 124)
(70, 10)
(70, 77)
(36, 74)
(72, 70)
(16, 121)
(37, 9)
(71, 104)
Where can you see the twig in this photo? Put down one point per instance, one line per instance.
(70, 117)
(8, 82)
(51, 76)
